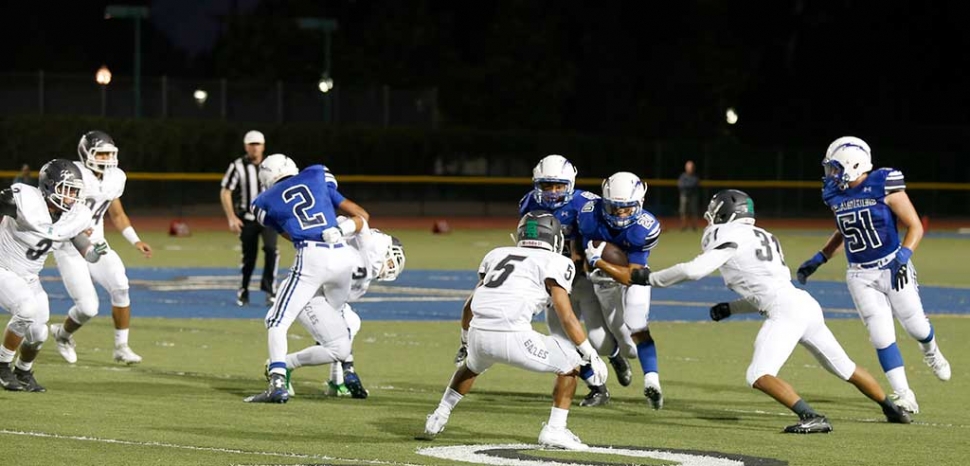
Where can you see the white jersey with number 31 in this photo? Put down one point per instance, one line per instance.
(514, 287)
(757, 270)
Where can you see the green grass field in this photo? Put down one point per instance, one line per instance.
(183, 404)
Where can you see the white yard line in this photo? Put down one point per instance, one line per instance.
(194, 447)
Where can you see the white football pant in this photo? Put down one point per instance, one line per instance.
(877, 303)
(529, 350)
(27, 302)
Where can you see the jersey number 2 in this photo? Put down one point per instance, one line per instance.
(502, 270)
(303, 201)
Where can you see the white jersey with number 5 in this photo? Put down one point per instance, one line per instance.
(757, 269)
(26, 240)
(513, 287)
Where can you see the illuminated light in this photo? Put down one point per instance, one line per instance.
(731, 116)
(103, 76)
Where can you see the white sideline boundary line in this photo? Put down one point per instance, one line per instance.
(194, 447)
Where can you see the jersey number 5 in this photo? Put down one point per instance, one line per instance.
(501, 272)
(303, 201)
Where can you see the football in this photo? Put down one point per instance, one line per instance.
(613, 254)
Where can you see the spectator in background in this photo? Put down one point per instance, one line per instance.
(24, 176)
(242, 178)
(690, 189)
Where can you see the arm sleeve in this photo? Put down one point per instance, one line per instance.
(702, 266)
(895, 182)
(742, 306)
(335, 197)
(329, 178)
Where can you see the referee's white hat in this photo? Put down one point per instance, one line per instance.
(254, 137)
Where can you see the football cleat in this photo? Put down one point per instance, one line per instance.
(275, 393)
(434, 425)
(270, 299)
(8, 380)
(242, 297)
(896, 415)
(622, 368)
(907, 400)
(356, 388)
(560, 438)
(651, 390)
(65, 344)
(337, 390)
(289, 384)
(817, 424)
(124, 354)
(27, 379)
(598, 396)
(939, 364)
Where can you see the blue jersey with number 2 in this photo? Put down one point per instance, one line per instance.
(867, 224)
(301, 206)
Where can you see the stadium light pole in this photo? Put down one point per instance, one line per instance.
(137, 13)
(326, 25)
(103, 77)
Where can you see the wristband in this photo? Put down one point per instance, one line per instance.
(347, 227)
(130, 235)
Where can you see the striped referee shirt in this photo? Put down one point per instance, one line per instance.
(242, 174)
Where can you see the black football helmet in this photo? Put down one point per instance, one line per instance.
(540, 229)
(97, 142)
(729, 205)
(61, 183)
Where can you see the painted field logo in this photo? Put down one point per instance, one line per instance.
(511, 454)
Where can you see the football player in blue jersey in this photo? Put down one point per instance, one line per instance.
(867, 205)
(619, 218)
(554, 180)
(302, 206)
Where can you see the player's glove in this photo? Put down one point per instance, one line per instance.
(94, 253)
(720, 311)
(332, 235)
(810, 266)
(592, 359)
(462, 353)
(899, 268)
(640, 276)
(594, 253)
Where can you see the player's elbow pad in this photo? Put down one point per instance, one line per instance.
(640, 276)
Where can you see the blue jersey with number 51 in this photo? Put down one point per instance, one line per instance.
(867, 224)
(301, 206)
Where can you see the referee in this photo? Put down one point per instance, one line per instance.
(240, 186)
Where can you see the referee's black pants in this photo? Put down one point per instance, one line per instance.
(251, 231)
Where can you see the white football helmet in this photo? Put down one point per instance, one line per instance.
(553, 169)
(393, 261)
(623, 190)
(274, 168)
(93, 144)
(846, 159)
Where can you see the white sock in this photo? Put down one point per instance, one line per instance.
(121, 337)
(557, 418)
(24, 366)
(448, 402)
(276, 339)
(897, 379)
(336, 374)
(929, 348)
(6, 355)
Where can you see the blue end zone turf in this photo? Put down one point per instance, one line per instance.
(429, 295)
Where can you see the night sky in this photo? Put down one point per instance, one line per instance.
(794, 69)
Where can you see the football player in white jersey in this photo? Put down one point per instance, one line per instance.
(104, 184)
(33, 221)
(752, 264)
(867, 205)
(380, 257)
(515, 284)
